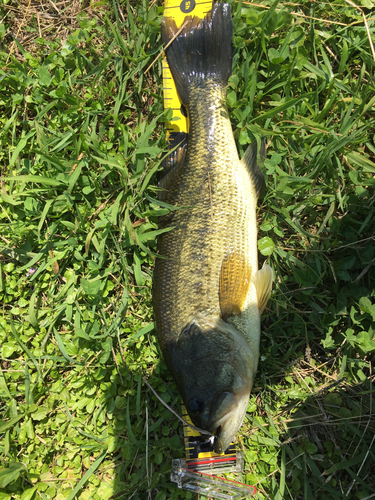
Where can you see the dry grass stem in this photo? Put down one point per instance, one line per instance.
(201, 431)
(366, 25)
(166, 46)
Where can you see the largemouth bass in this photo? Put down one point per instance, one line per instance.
(208, 294)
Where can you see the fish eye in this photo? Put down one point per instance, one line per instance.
(196, 406)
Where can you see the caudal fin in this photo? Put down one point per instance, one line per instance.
(202, 53)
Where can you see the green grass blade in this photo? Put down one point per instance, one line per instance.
(20, 146)
(87, 475)
(8, 425)
(37, 179)
(62, 348)
(4, 386)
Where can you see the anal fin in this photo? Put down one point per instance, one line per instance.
(235, 276)
(263, 283)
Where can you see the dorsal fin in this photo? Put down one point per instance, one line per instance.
(251, 160)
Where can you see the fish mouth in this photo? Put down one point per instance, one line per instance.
(226, 418)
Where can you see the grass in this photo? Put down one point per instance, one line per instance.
(82, 141)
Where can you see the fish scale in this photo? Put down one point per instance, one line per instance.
(223, 218)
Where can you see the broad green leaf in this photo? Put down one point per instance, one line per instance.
(9, 199)
(28, 494)
(81, 333)
(328, 342)
(39, 414)
(274, 56)
(91, 287)
(266, 245)
(45, 76)
(367, 306)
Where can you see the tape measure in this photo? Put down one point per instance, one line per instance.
(198, 471)
(200, 455)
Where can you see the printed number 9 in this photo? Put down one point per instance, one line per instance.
(187, 6)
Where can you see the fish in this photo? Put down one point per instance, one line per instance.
(208, 292)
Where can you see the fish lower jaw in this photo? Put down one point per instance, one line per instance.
(221, 421)
(220, 443)
(228, 426)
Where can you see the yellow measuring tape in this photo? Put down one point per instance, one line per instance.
(200, 455)
(179, 11)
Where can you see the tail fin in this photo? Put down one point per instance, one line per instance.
(202, 52)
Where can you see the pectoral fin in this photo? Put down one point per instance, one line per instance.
(263, 283)
(234, 284)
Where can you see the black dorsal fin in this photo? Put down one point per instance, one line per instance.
(252, 160)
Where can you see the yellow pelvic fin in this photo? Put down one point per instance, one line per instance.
(263, 283)
(235, 276)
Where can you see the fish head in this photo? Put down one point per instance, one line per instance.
(214, 370)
